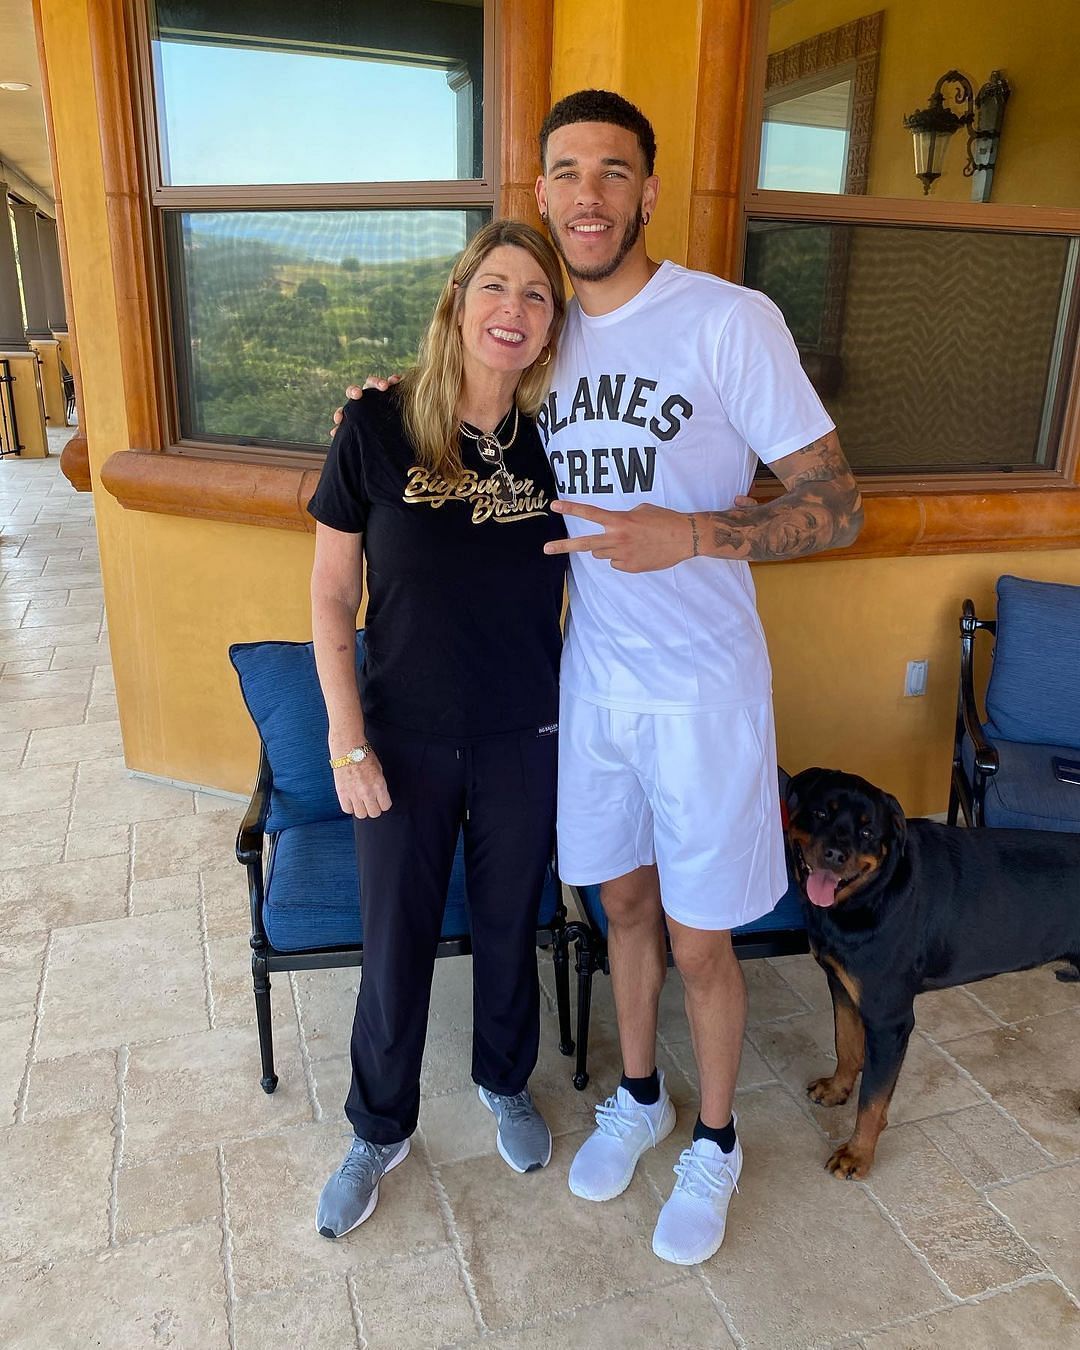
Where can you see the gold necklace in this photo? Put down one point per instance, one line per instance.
(487, 442)
(491, 451)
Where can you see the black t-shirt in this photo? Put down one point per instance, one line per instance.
(462, 634)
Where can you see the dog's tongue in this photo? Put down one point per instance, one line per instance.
(821, 888)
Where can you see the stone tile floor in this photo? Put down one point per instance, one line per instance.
(153, 1196)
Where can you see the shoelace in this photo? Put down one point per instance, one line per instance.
(613, 1119)
(519, 1107)
(361, 1163)
(698, 1179)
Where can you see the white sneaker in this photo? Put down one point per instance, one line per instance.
(691, 1225)
(605, 1162)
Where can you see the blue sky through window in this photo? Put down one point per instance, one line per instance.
(802, 159)
(245, 116)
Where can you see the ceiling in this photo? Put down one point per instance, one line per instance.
(24, 146)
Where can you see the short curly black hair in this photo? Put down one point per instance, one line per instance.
(600, 105)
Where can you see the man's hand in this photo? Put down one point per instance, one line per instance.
(644, 539)
(361, 788)
(354, 391)
(821, 509)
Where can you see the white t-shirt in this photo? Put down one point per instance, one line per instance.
(668, 400)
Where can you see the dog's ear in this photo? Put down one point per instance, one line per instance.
(898, 821)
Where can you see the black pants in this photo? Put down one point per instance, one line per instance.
(501, 792)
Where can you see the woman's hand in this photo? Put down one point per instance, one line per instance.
(361, 788)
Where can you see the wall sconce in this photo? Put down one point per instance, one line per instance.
(932, 128)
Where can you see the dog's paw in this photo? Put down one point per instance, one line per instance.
(849, 1163)
(828, 1091)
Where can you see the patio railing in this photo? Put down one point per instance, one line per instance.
(9, 423)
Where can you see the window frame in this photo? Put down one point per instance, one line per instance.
(168, 308)
(247, 485)
(846, 208)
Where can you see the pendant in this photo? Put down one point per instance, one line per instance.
(490, 449)
(505, 492)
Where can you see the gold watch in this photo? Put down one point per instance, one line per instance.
(355, 756)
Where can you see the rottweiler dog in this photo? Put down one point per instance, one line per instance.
(895, 907)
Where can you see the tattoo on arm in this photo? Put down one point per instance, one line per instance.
(695, 537)
(821, 509)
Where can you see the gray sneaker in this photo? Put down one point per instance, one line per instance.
(352, 1192)
(524, 1139)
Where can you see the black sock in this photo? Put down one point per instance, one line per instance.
(725, 1138)
(645, 1091)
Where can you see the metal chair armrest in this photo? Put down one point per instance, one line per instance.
(986, 756)
(249, 848)
(249, 839)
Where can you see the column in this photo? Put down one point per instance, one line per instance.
(22, 419)
(50, 350)
(49, 246)
(12, 332)
(33, 277)
(38, 332)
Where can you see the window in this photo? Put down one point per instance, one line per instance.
(313, 172)
(936, 317)
(806, 137)
(921, 369)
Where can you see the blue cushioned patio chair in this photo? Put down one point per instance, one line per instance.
(297, 845)
(1002, 770)
(781, 932)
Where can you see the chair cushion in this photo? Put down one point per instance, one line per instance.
(786, 916)
(1024, 794)
(281, 689)
(312, 890)
(1034, 690)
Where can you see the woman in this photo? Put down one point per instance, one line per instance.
(442, 485)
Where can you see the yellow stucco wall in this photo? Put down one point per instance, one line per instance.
(620, 45)
(179, 591)
(840, 636)
(1035, 45)
(26, 393)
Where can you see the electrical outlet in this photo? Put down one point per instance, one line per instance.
(915, 679)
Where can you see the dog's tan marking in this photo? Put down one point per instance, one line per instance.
(850, 1049)
(868, 864)
(855, 1158)
(851, 985)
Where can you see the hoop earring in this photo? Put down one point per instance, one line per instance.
(547, 358)
(646, 218)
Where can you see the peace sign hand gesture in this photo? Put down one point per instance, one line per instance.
(644, 539)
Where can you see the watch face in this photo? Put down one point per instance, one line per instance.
(358, 756)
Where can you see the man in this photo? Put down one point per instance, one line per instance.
(668, 385)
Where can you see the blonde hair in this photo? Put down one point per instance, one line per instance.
(431, 389)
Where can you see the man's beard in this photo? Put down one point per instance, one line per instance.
(601, 271)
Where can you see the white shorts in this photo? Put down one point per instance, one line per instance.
(696, 793)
